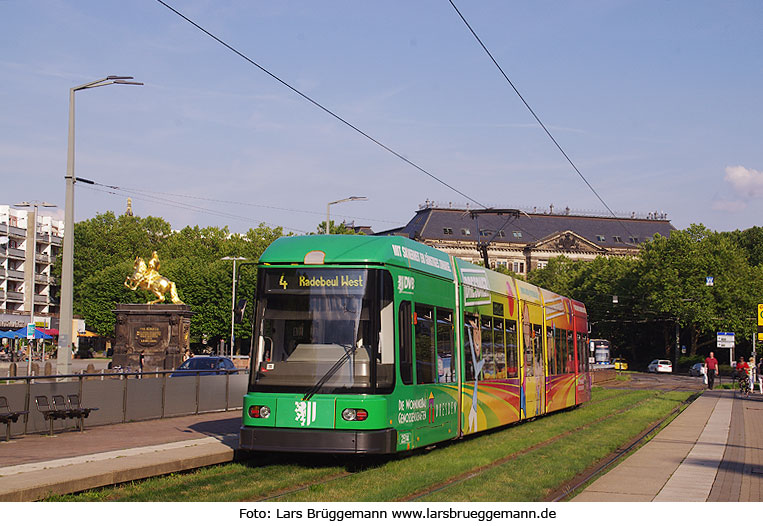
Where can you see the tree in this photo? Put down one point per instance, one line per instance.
(673, 274)
(341, 229)
(106, 247)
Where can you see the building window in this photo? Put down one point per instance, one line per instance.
(447, 231)
(542, 264)
(633, 239)
(501, 233)
(617, 239)
(466, 232)
(517, 234)
(518, 267)
(485, 233)
(600, 238)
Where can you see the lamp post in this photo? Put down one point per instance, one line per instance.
(64, 360)
(31, 223)
(233, 298)
(328, 208)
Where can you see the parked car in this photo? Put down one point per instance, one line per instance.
(696, 369)
(660, 366)
(84, 354)
(621, 364)
(205, 365)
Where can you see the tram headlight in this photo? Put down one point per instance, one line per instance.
(259, 411)
(354, 415)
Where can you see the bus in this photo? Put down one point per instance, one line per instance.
(376, 345)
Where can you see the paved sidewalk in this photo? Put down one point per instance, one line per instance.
(33, 467)
(710, 452)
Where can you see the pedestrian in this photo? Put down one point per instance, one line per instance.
(703, 370)
(760, 375)
(711, 367)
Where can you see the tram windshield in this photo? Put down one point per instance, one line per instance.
(324, 330)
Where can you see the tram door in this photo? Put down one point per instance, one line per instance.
(533, 371)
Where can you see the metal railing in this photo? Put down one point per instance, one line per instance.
(126, 396)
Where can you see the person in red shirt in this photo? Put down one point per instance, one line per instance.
(743, 371)
(711, 366)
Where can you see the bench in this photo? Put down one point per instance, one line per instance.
(75, 410)
(49, 413)
(7, 416)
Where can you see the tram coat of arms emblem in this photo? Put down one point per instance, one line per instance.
(305, 412)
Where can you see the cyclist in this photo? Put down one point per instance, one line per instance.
(743, 369)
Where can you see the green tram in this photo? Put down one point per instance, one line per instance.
(381, 344)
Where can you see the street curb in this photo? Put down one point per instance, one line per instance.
(36, 485)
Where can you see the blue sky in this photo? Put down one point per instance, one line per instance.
(657, 102)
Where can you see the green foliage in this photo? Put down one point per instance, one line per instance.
(105, 250)
(341, 229)
(665, 285)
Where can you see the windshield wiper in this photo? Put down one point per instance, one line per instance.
(349, 351)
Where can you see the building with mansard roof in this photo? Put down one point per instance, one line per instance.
(525, 241)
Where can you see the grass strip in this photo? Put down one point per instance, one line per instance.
(532, 476)
(272, 474)
(415, 474)
(234, 481)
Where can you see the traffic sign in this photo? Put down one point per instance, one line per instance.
(30, 328)
(760, 313)
(725, 339)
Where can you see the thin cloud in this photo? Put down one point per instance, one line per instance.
(728, 206)
(747, 183)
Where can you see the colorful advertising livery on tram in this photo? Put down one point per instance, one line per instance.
(380, 344)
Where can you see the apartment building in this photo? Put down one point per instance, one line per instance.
(25, 272)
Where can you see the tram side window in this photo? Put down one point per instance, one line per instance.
(425, 341)
(551, 347)
(527, 343)
(472, 346)
(486, 333)
(445, 362)
(538, 349)
(499, 350)
(406, 348)
(561, 351)
(582, 361)
(571, 349)
(512, 363)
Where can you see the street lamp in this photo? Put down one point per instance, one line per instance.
(64, 360)
(328, 208)
(31, 222)
(233, 298)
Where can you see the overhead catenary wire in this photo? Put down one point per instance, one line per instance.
(319, 105)
(192, 208)
(535, 116)
(138, 191)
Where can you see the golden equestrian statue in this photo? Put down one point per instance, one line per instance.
(147, 277)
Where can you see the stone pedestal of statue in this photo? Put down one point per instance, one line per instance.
(160, 334)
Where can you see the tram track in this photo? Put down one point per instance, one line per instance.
(472, 473)
(592, 473)
(500, 462)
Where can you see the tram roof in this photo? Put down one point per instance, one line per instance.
(341, 249)
(392, 250)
